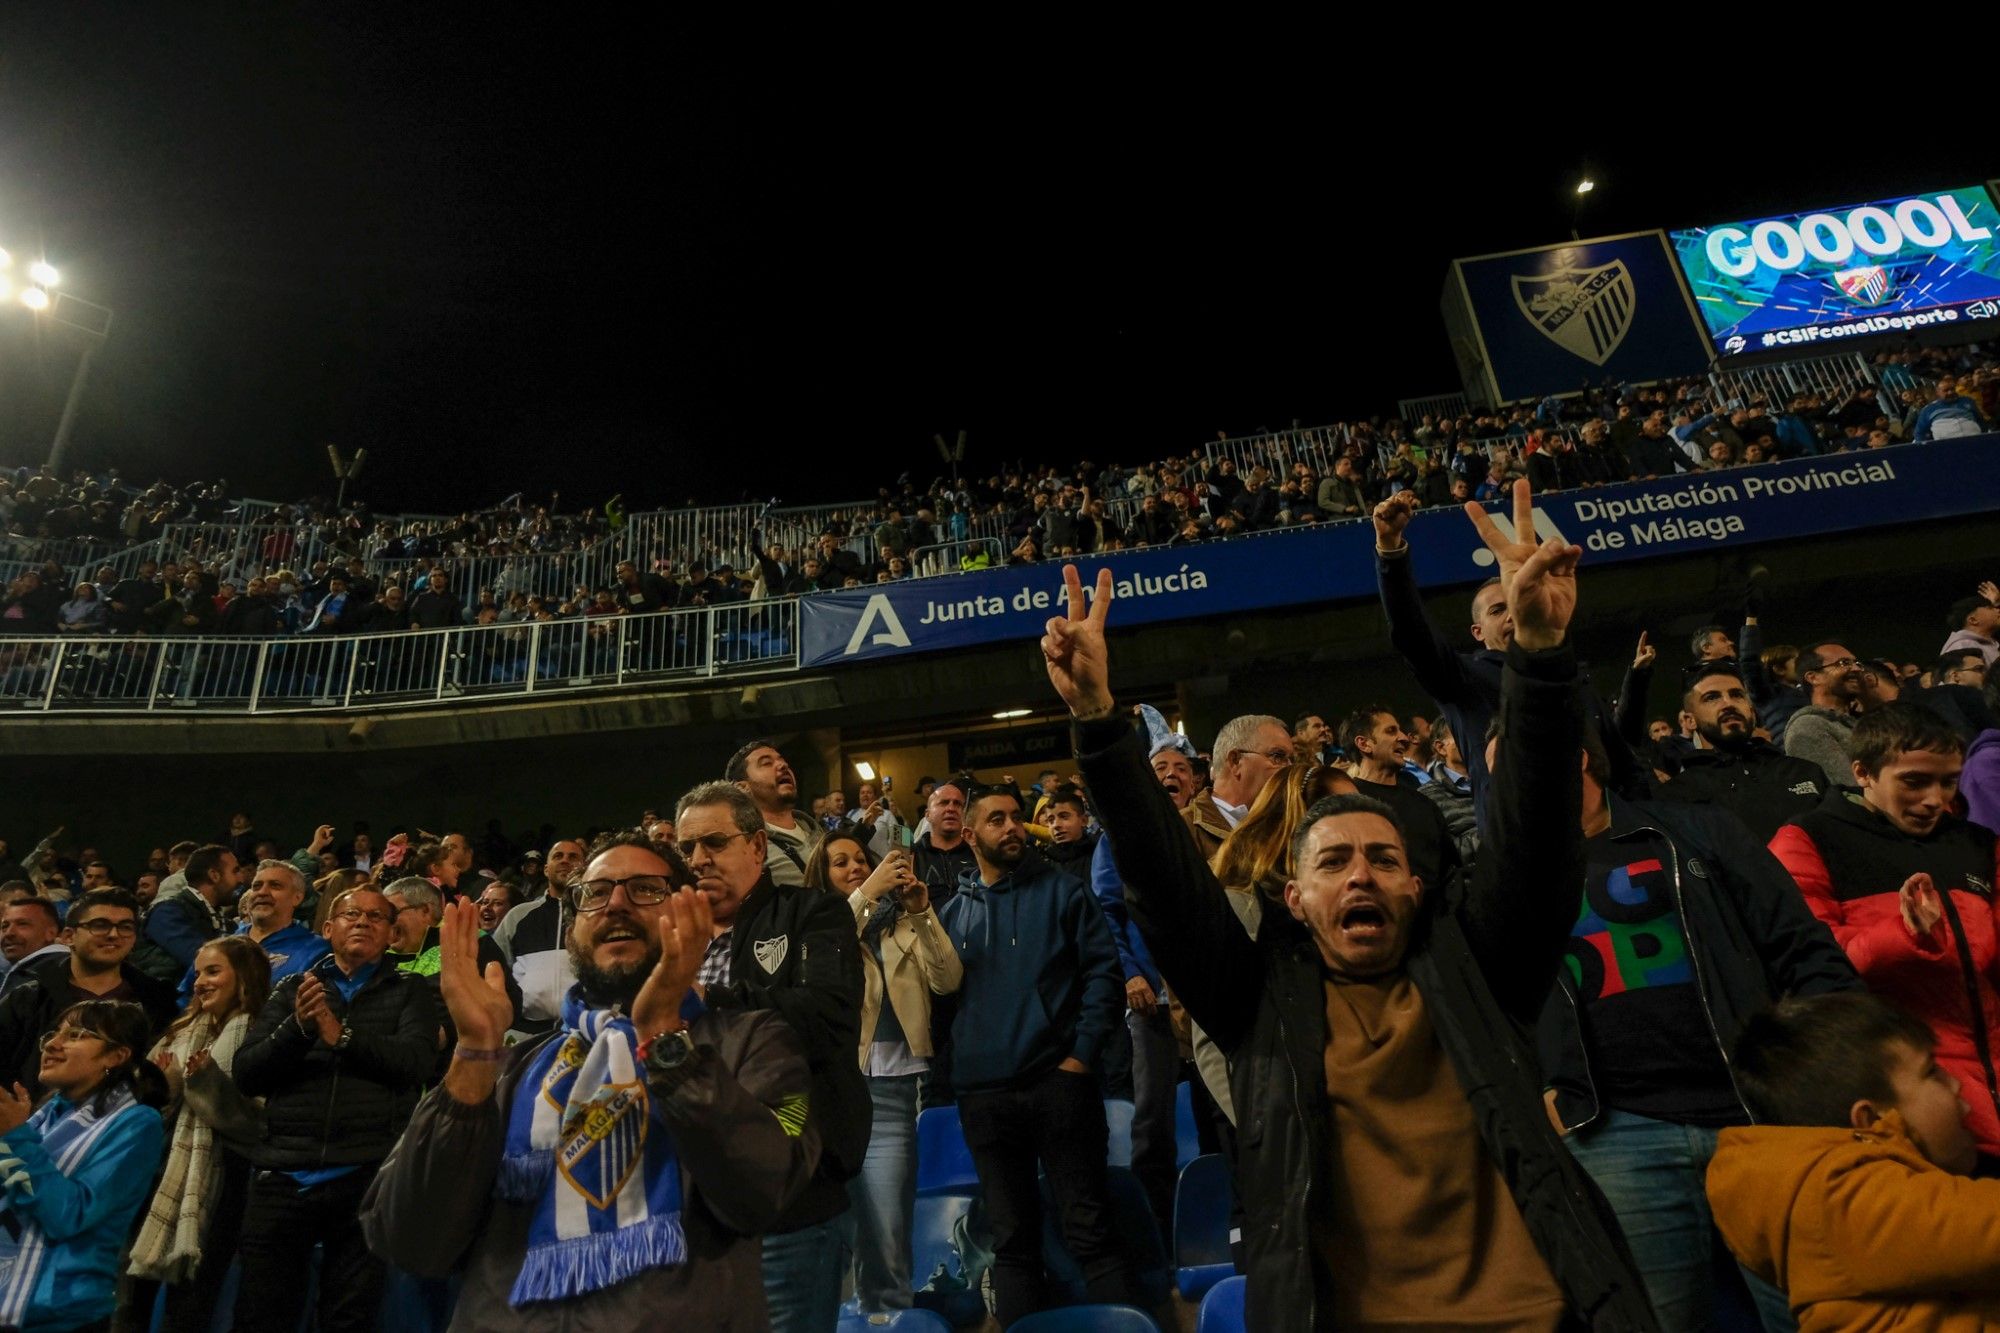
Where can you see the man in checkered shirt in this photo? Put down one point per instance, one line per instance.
(793, 950)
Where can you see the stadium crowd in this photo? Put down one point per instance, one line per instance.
(1515, 1014)
(315, 568)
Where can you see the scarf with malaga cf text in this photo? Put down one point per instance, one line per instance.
(586, 1145)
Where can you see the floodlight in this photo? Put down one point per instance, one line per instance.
(865, 769)
(1585, 186)
(34, 298)
(43, 272)
(5, 259)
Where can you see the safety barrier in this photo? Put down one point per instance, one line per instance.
(310, 673)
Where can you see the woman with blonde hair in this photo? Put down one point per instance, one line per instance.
(1256, 857)
(1253, 864)
(196, 1213)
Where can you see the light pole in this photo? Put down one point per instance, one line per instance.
(88, 319)
(1583, 187)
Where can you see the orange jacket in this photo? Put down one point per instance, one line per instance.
(1859, 1228)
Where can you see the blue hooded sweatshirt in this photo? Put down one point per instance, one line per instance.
(1042, 980)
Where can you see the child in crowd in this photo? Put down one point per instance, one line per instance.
(1852, 1191)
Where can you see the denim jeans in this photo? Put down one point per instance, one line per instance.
(1652, 1173)
(885, 1195)
(1056, 1122)
(802, 1271)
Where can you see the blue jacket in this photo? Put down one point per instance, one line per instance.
(291, 950)
(86, 1215)
(1042, 982)
(1958, 408)
(1109, 890)
(180, 925)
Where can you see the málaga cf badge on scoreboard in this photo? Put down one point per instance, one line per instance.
(1867, 285)
(1586, 312)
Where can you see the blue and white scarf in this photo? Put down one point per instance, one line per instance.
(68, 1133)
(586, 1145)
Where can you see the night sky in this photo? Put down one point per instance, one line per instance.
(599, 258)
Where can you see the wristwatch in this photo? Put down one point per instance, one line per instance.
(664, 1052)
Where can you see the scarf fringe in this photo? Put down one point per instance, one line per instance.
(568, 1268)
(524, 1177)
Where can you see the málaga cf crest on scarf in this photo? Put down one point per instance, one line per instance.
(586, 1145)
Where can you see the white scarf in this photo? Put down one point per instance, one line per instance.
(169, 1245)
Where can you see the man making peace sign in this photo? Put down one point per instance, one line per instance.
(1396, 1164)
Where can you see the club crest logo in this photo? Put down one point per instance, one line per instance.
(1867, 285)
(770, 954)
(602, 1146)
(1585, 311)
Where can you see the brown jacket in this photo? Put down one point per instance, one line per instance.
(1206, 823)
(431, 1208)
(1859, 1228)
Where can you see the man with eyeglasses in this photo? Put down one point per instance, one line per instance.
(1248, 750)
(530, 937)
(339, 1054)
(793, 950)
(1819, 731)
(682, 1128)
(103, 926)
(415, 947)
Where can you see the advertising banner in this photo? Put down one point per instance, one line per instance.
(1549, 320)
(1808, 279)
(1636, 521)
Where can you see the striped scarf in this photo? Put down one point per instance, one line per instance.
(169, 1245)
(587, 1147)
(68, 1134)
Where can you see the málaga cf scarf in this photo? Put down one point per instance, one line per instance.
(587, 1147)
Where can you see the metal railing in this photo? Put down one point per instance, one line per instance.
(326, 673)
(1437, 407)
(1277, 451)
(1778, 382)
(952, 557)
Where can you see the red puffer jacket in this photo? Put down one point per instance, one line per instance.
(1851, 863)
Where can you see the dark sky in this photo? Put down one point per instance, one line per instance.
(589, 256)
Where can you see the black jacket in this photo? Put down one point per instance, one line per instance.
(794, 951)
(1482, 956)
(326, 1107)
(31, 1007)
(941, 870)
(1759, 784)
(1749, 932)
(1466, 686)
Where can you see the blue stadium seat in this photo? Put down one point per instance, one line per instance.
(1222, 1309)
(934, 1256)
(1187, 1140)
(1131, 1222)
(1087, 1319)
(902, 1321)
(1203, 1200)
(944, 1163)
(1118, 1117)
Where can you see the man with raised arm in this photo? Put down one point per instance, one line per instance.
(617, 1172)
(1465, 686)
(1396, 1165)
